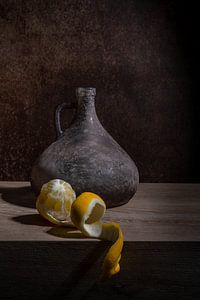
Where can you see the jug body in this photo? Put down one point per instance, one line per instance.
(86, 156)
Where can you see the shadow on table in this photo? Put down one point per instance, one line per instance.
(63, 232)
(66, 232)
(50, 269)
(21, 196)
(74, 285)
(32, 219)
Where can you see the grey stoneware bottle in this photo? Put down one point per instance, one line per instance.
(86, 156)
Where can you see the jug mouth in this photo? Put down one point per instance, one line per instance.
(86, 92)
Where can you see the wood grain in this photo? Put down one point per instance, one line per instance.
(41, 261)
(70, 270)
(158, 212)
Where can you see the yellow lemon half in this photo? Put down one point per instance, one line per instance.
(86, 213)
(55, 201)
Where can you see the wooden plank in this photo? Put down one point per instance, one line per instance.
(158, 212)
(39, 260)
(70, 270)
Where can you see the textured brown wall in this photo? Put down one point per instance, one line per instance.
(134, 52)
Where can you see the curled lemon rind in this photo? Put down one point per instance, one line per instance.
(86, 213)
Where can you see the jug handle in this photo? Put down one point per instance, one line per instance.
(59, 108)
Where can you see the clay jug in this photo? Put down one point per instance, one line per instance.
(86, 156)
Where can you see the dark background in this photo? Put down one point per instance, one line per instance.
(143, 58)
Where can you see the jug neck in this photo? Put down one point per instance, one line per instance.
(86, 111)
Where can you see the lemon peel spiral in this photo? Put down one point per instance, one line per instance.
(57, 203)
(86, 213)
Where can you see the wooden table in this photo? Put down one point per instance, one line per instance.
(161, 256)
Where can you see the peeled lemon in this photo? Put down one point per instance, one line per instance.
(55, 201)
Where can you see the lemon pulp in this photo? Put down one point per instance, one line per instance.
(55, 201)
